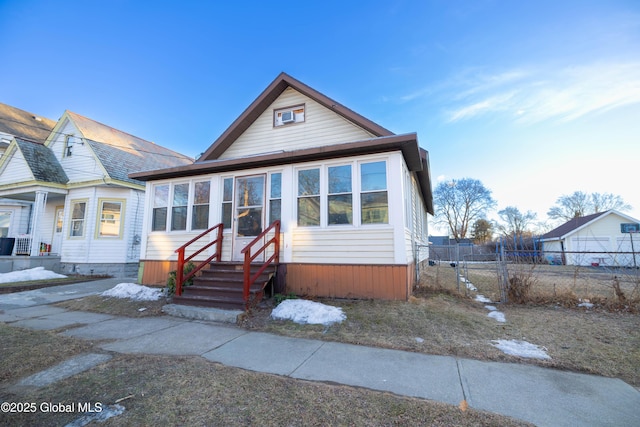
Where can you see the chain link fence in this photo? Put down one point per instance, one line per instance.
(525, 275)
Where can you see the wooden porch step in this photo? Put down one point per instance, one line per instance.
(222, 286)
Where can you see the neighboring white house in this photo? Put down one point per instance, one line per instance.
(352, 196)
(599, 239)
(76, 201)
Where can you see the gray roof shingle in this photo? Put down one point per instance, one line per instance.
(23, 124)
(121, 153)
(571, 225)
(43, 163)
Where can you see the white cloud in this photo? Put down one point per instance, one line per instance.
(545, 94)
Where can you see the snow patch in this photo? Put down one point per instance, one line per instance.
(498, 315)
(521, 348)
(482, 298)
(134, 292)
(37, 273)
(308, 312)
(468, 284)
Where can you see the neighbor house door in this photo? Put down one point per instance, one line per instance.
(248, 213)
(56, 241)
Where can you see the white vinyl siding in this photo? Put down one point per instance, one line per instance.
(18, 171)
(321, 127)
(76, 166)
(339, 246)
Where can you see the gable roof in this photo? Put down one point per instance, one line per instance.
(267, 97)
(121, 153)
(24, 125)
(575, 224)
(43, 163)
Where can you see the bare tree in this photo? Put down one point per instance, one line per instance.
(459, 203)
(580, 204)
(515, 222)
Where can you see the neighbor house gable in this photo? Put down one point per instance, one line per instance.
(575, 225)
(321, 113)
(102, 153)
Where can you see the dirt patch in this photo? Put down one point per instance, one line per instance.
(24, 352)
(115, 306)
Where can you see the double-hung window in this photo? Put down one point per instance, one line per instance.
(110, 218)
(179, 207)
(309, 197)
(78, 212)
(339, 197)
(374, 205)
(160, 201)
(275, 197)
(227, 202)
(200, 212)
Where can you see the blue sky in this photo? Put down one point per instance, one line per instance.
(536, 99)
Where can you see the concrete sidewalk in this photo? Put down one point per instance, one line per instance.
(544, 397)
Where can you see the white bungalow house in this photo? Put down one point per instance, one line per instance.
(79, 210)
(607, 238)
(350, 197)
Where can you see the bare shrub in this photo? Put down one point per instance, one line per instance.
(520, 284)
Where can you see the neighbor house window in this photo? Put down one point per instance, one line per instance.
(374, 206)
(160, 201)
(275, 197)
(68, 145)
(288, 115)
(227, 202)
(110, 220)
(200, 213)
(179, 207)
(78, 212)
(5, 222)
(309, 197)
(339, 198)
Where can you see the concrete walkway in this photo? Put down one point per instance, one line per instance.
(544, 397)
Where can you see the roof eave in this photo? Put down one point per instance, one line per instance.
(407, 143)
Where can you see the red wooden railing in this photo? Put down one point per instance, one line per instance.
(248, 257)
(180, 277)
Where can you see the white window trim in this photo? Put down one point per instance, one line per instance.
(356, 190)
(84, 219)
(101, 201)
(190, 201)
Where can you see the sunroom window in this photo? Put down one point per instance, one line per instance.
(179, 207)
(309, 197)
(340, 199)
(275, 197)
(160, 201)
(227, 202)
(200, 213)
(374, 205)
